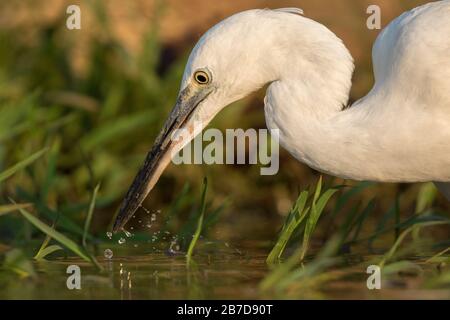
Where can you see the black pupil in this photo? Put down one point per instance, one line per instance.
(201, 78)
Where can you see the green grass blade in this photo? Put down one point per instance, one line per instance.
(199, 223)
(411, 221)
(317, 208)
(50, 175)
(402, 236)
(389, 215)
(90, 213)
(348, 195)
(22, 164)
(299, 208)
(64, 222)
(290, 270)
(46, 251)
(362, 217)
(403, 265)
(280, 271)
(294, 219)
(426, 196)
(13, 207)
(344, 198)
(318, 190)
(66, 242)
(47, 239)
(436, 257)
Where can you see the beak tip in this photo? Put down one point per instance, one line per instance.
(129, 206)
(121, 219)
(116, 228)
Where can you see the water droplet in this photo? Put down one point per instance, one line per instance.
(121, 241)
(109, 235)
(174, 247)
(108, 253)
(127, 233)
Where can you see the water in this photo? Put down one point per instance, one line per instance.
(174, 247)
(219, 272)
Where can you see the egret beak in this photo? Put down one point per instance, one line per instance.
(161, 153)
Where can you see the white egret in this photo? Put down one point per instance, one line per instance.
(399, 132)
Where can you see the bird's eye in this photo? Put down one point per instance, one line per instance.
(201, 77)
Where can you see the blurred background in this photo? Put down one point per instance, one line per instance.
(97, 97)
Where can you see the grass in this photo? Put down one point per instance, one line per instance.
(318, 204)
(49, 231)
(308, 209)
(402, 236)
(62, 239)
(90, 213)
(199, 227)
(4, 209)
(438, 256)
(294, 219)
(21, 165)
(291, 276)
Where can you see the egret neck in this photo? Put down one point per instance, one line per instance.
(386, 136)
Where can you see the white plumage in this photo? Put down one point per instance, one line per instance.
(398, 132)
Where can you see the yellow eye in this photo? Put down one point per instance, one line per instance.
(201, 77)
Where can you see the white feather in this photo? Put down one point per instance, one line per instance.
(399, 132)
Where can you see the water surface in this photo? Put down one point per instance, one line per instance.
(227, 273)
